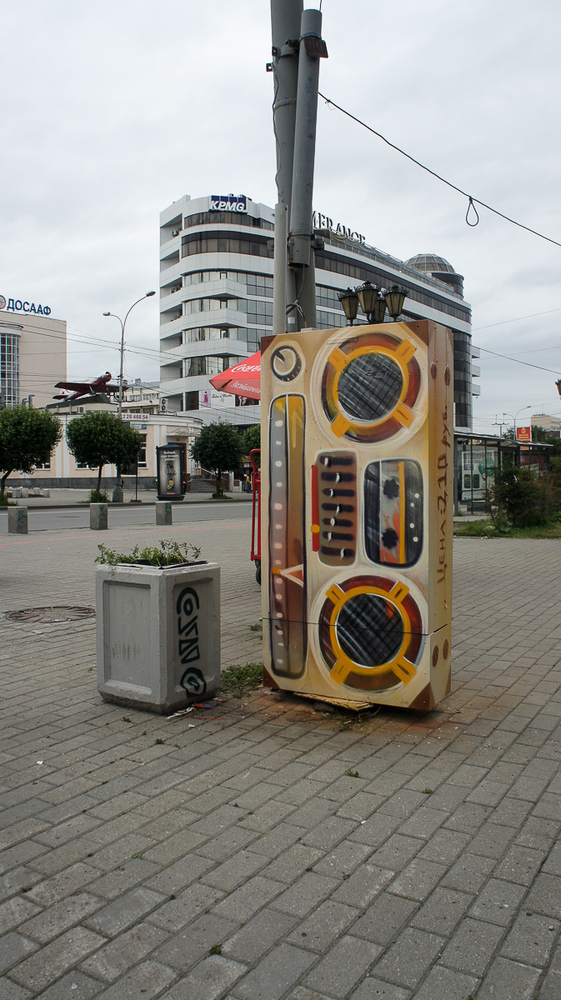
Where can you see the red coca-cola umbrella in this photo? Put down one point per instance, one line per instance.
(243, 379)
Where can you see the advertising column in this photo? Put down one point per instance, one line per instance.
(357, 500)
(171, 471)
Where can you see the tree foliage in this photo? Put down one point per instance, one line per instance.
(100, 438)
(218, 448)
(252, 438)
(524, 499)
(27, 436)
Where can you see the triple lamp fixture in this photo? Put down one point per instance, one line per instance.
(373, 302)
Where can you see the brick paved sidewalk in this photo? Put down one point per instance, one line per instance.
(266, 850)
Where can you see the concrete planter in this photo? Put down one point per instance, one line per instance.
(158, 634)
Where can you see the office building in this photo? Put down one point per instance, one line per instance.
(32, 352)
(216, 297)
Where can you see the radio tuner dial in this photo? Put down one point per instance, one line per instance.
(286, 363)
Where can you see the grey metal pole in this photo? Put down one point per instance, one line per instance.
(123, 323)
(280, 278)
(286, 16)
(301, 254)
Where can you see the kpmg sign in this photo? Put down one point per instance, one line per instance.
(228, 203)
(17, 305)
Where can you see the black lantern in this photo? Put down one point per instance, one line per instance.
(379, 310)
(367, 294)
(395, 298)
(349, 301)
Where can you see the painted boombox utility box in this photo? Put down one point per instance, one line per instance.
(357, 481)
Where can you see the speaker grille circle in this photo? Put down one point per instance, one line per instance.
(370, 387)
(369, 630)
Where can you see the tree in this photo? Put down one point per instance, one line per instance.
(27, 436)
(252, 438)
(99, 438)
(218, 448)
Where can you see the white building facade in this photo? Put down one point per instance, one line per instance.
(32, 352)
(216, 297)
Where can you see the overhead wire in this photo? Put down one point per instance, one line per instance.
(472, 202)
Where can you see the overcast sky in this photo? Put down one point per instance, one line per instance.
(112, 109)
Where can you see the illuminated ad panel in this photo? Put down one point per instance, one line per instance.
(357, 486)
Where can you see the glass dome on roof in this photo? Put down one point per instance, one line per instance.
(430, 262)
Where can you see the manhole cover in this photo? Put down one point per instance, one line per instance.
(50, 615)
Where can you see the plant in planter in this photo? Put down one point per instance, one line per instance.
(158, 626)
(167, 554)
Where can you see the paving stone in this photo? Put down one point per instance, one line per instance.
(375, 989)
(292, 863)
(344, 859)
(227, 843)
(418, 880)
(509, 979)
(363, 886)
(55, 958)
(345, 964)
(75, 985)
(118, 956)
(328, 834)
(447, 984)
(396, 852)
(60, 917)
(15, 911)
(442, 911)
(407, 961)
(520, 864)
(13, 948)
(472, 946)
(384, 918)
(244, 902)
(323, 926)
(531, 939)
(276, 973)
(538, 833)
(550, 989)
(63, 884)
(423, 822)
(305, 893)
(277, 840)
(147, 980)
(468, 873)
(259, 935)
(125, 911)
(11, 991)
(231, 873)
(498, 902)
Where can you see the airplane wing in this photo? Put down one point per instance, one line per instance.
(75, 386)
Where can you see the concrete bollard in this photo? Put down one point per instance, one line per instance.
(98, 516)
(163, 512)
(17, 520)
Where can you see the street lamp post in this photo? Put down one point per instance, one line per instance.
(123, 323)
(373, 302)
(514, 416)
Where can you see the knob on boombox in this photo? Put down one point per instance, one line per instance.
(370, 386)
(371, 632)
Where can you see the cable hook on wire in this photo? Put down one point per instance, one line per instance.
(471, 207)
